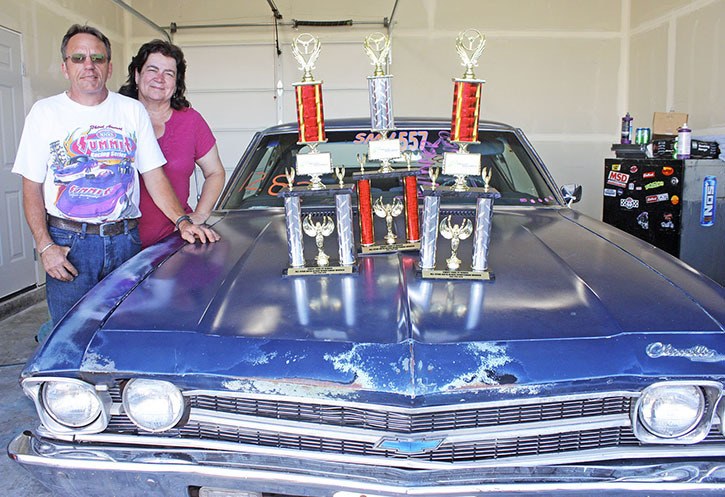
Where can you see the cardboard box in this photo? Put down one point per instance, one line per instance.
(665, 124)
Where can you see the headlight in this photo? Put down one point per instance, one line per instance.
(73, 404)
(671, 411)
(153, 405)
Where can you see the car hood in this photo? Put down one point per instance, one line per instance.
(568, 291)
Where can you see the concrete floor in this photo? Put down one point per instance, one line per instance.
(17, 412)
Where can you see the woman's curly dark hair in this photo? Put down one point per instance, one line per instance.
(130, 89)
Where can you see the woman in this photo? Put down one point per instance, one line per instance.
(156, 78)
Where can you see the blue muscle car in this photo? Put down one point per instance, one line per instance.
(591, 363)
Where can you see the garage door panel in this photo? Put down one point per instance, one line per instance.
(230, 67)
(236, 109)
(232, 144)
(338, 103)
(328, 66)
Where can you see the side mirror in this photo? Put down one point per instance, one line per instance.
(572, 193)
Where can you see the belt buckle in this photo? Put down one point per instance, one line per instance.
(102, 228)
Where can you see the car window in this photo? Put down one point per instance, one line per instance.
(258, 181)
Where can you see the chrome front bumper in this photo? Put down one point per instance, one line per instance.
(99, 470)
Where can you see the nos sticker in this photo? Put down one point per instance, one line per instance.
(709, 189)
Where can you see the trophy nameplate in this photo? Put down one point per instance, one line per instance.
(314, 164)
(384, 149)
(460, 164)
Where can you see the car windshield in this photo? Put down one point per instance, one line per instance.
(513, 172)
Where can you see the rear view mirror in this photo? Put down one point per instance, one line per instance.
(572, 193)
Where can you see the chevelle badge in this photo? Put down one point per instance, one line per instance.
(698, 353)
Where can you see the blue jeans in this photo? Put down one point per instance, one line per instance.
(94, 257)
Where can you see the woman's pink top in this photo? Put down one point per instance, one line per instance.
(186, 139)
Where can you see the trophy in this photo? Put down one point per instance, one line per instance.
(479, 226)
(308, 93)
(461, 165)
(310, 119)
(385, 150)
(466, 106)
(319, 229)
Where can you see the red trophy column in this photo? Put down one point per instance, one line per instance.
(412, 229)
(365, 212)
(466, 105)
(309, 112)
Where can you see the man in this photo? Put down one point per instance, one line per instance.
(80, 154)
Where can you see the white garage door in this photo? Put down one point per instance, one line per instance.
(235, 88)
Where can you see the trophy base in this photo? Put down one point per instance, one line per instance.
(447, 274)
(319, 270)
(386, 248)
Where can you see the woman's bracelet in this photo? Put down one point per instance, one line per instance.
(40, 252)
(181, 219)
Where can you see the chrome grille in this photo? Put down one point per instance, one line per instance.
(570, 439)
(500, 448)
(400, 422)
(457, 452)
(451, 453)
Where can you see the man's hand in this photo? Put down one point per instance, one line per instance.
(191, 232)
(56, 263)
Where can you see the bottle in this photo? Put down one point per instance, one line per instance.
(626, 129)
(684, 142)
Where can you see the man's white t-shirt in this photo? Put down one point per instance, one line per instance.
(88, 157)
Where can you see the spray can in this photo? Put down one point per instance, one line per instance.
(684, 142)
(626, 129)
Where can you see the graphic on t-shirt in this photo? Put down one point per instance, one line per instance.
(94, 172)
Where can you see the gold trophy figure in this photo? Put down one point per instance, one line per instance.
(289, 173)
(305, 49)
(469, 45)
(455, 233)
(433, 173)
(319, 231)
(340, 175)
(388, 211)
(486, 177)
(377, 47)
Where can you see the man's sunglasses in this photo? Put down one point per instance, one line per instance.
(80, 58)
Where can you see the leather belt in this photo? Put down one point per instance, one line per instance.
(112, 228)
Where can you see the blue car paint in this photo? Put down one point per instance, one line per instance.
(384, 334)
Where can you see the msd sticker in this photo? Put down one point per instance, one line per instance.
(707, 212)
(617, 178)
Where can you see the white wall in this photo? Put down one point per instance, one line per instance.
(678, 61)
(564, 71)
